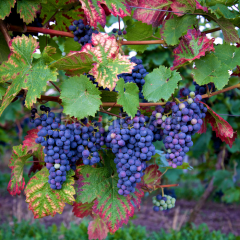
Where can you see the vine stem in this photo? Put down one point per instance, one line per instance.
(68, 34)
(168, 185)
(4, 31)
(111, 104)
(109, 113)
(58, 89)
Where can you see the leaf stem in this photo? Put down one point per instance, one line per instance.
(58, 89)
(109, 113)
(4, 31)
(168, 185)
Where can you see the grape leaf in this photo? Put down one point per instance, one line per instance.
(175, 27)
(100, 184)
(192, 46)
(210, 69)
(138, 31)
(75, 63)
(152, 175)
(18, 159)
(5, 8)
(95, 13)
(128, 97)
(109, 62)
(80, 97)
(222, 128)
(4, 48)
(64, 11)
(28, 9)
(82, 210)
(228, 55)
(35, 166)
(137, 196)
(228, 29)
(221, 10)
(97, 229)
(231, 195)
(24, 73)
(154, 18)
(44, 201)
(2, 92)
(160, 83)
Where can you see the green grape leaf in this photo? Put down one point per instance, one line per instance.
(221, 10)
(80, 97)
(4, 48)
(160, 83)
(100, 185)
(210, 69)
(175, 27)
(138, 31)
(228, 55)
(75, 63)
(223, 179)
(28, 9)
(109, 62)
(5, 8)
(44, 201)
(128, 96)
(64, 12)
(24, 72)
(231, 195)
(2, 92)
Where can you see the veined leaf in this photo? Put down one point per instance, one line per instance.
(192, 46)
(80, 97)
(128, 97)
(97, 229)
(221, 10)
(82, 210)
(152, 175)
(109, 62)
(28, 9)
(4, 48)
(160, 83)
(5, 8)
(95, 13)
(24, 73)
(44, 201)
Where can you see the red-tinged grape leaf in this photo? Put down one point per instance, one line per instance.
(28, 9)
(80, 97)
(95, 12)
(64, 11)
(24, 73)
(152, 175)
(109, 62)
(154, 18)
(137, 196)
(35, 166)
(188, 6)
(203, 128)
(100, 186)
(192, 46)
(97, 229)
(14, 187)
(75, 63)
(18, 159)
(5, 7)
(44, 201)
(222, 128)
(82, 210)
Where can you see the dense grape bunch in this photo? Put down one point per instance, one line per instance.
(137, 75)
(163, 202)
(82, 33)
(131, 142)
(200, 90)
(65, 144)
(177, 127)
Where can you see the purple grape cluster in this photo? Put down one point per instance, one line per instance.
(119, 32)
(137, 75)
(65, 144)
(82, 33)
(200, 90)
(131, 142)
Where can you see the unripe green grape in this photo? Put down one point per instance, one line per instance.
(105, 120)
(190, 100)
(169, 150)
(57, 166)
(173, 200)
(154, 198)
(164, 118)
(161, 208)
(154, 202)
(158, 204)
(162, 202)
(181, 106)
(165, 205)
(169, 201)
(106, 128)
(192, 94)
(170, 205)
(158, 115)
(114, 118)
